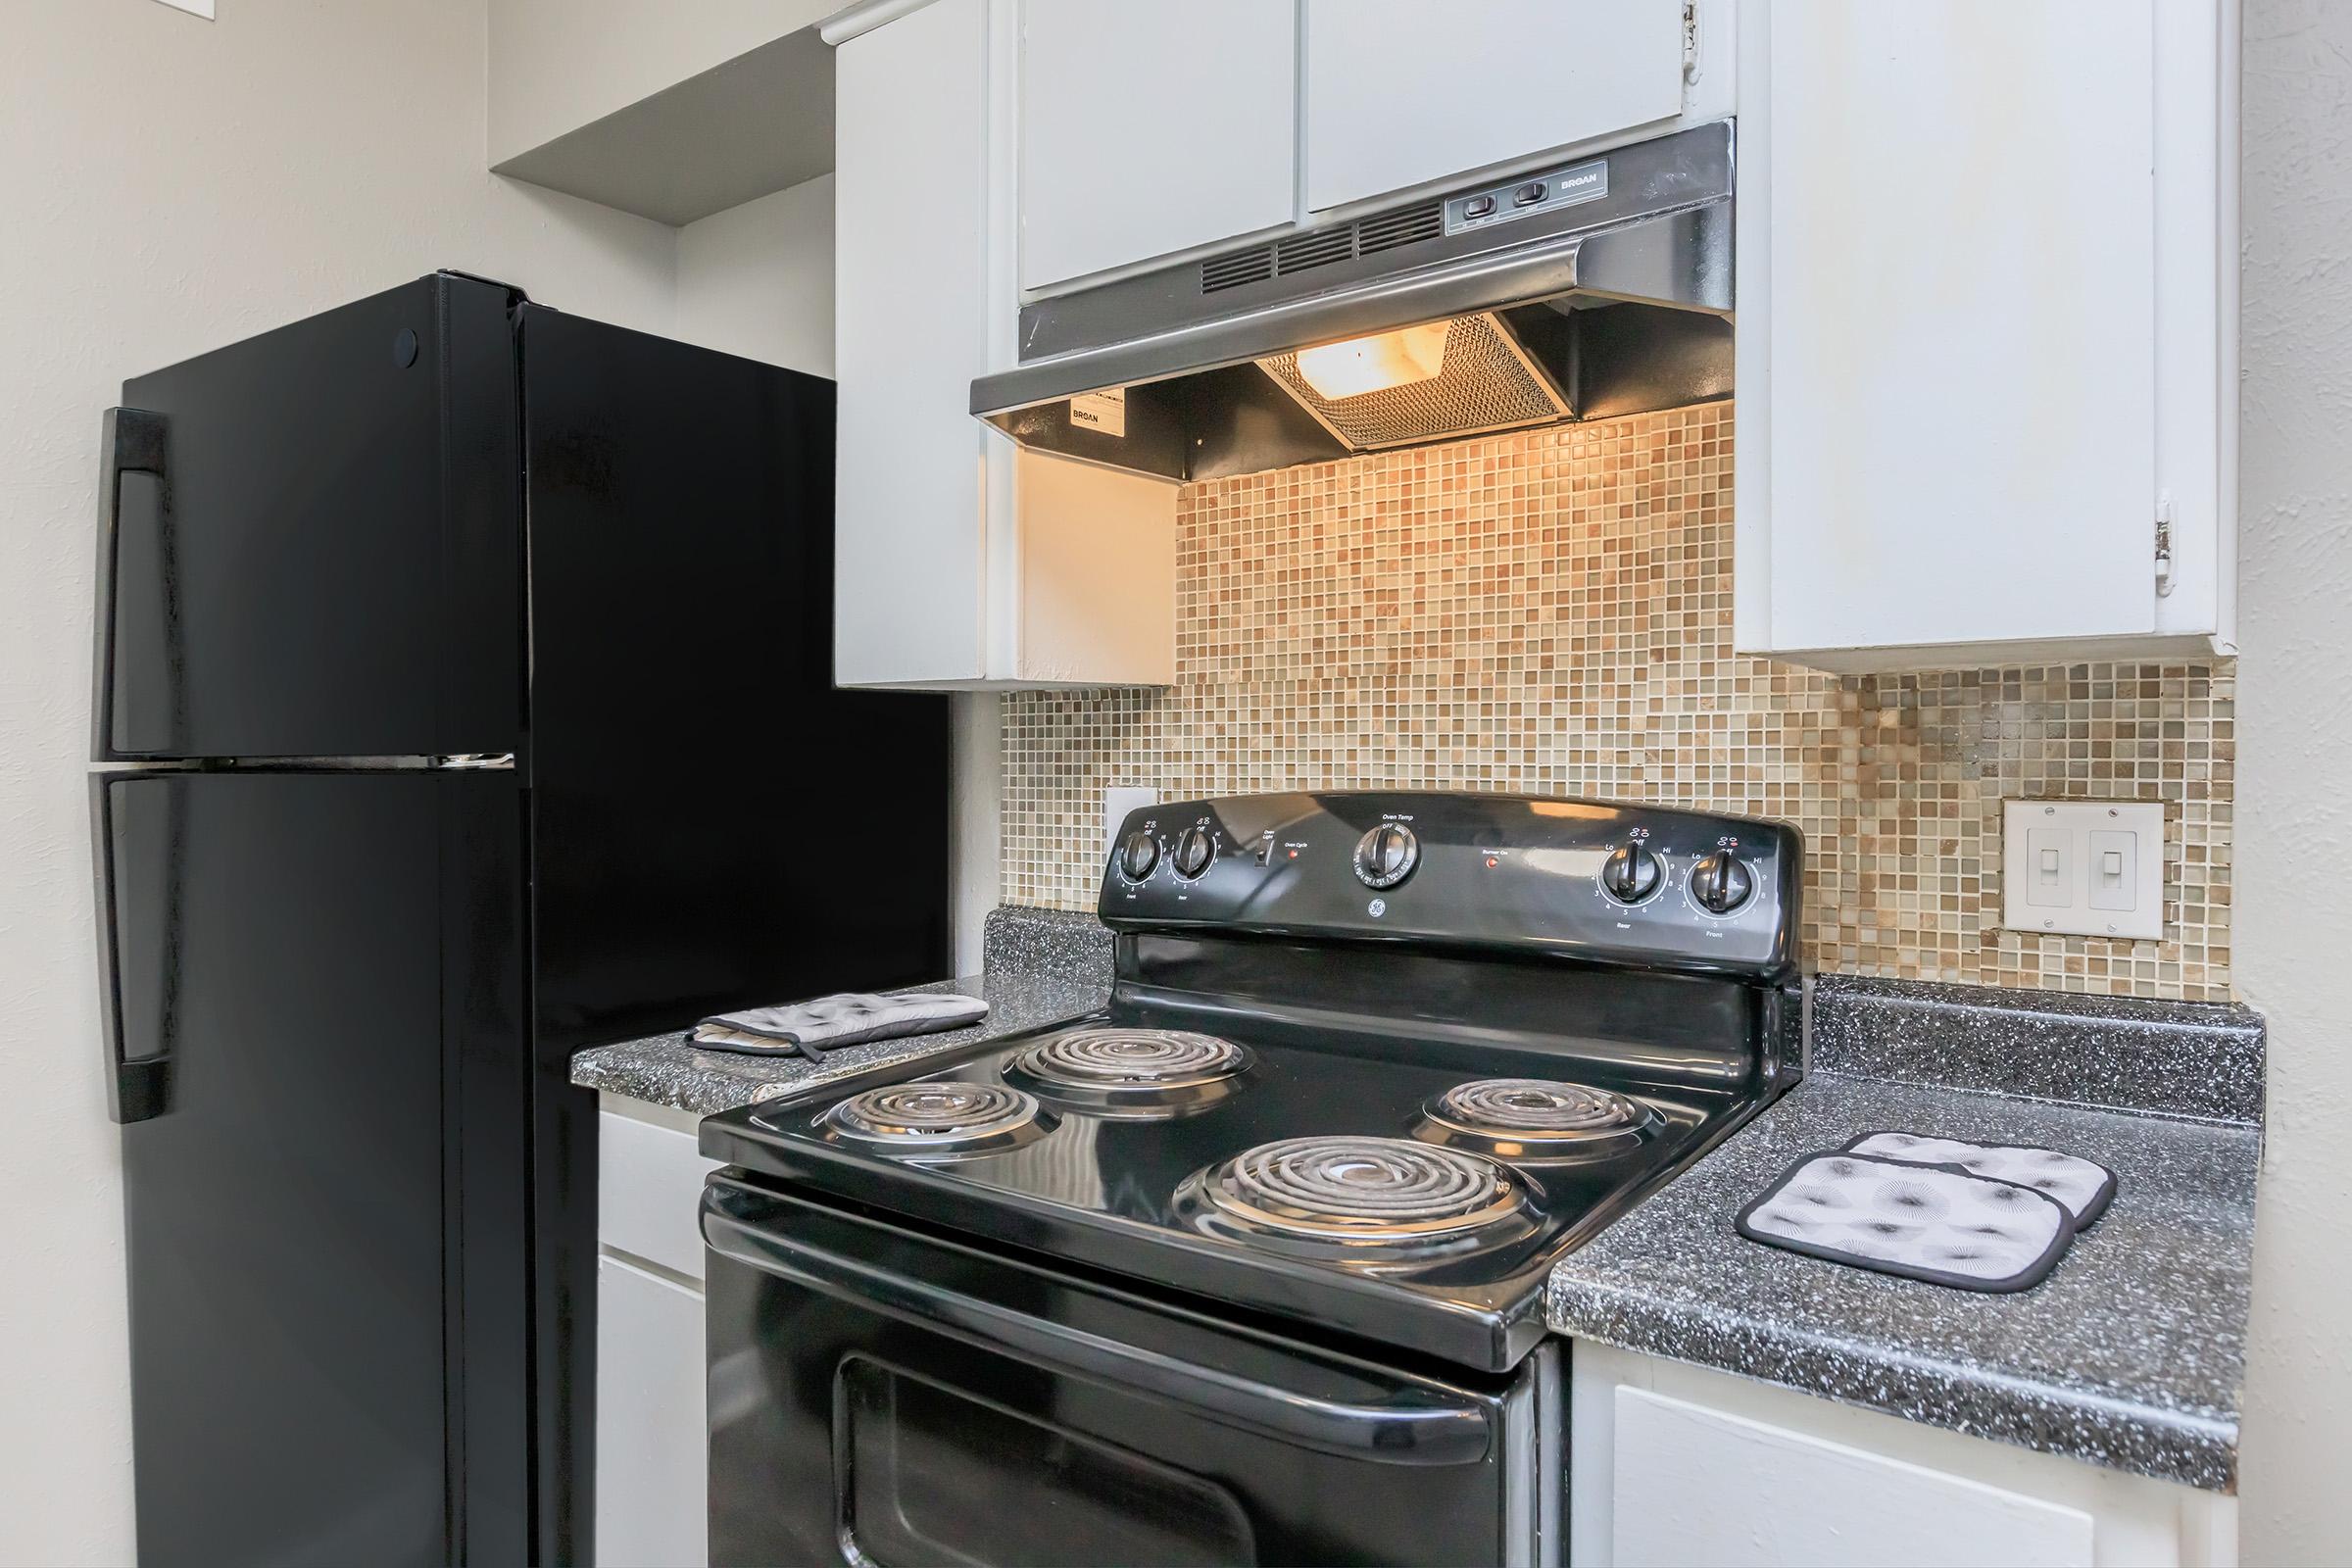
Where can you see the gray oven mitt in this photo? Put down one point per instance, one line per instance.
(808, 1028)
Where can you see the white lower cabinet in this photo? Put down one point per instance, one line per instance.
(652, 1435)
(1671, 1463)
(651, 1455)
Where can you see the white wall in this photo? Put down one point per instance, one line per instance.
(2294, 785)
(556, 65)
(758, 280)
(172, 184)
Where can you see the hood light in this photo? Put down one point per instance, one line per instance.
(1375, 363)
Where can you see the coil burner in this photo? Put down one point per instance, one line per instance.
(1132, 1072)
(936, 1119)
(1357, 1193)
(1535, 1119)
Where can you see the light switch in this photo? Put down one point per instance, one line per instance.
(2050, 888)
(2115, 867)
(2083, 868)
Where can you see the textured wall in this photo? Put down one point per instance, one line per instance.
(2295, 501)
(170, 184)
(1552, 612)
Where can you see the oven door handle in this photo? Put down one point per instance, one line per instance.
(1410, 1426)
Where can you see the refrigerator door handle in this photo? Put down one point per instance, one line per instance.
(137, 1088)
(132, 442)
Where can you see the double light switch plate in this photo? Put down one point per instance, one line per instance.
(2092, 868)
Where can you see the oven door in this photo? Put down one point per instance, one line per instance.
(884, 1397)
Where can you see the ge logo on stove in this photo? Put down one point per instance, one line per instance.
(1377, 907)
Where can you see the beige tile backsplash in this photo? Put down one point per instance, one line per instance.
(1552, 612)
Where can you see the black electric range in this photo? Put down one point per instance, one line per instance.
(1372, 1063)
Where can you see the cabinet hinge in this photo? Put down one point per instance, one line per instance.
(2164, 545)
(1689, 40)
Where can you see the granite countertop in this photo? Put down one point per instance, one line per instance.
(1042, 968)
(2131, 1356)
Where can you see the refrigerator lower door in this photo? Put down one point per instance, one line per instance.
(324, 1183)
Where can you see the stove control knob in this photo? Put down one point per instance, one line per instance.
(1387, 855)
(1631, 873)
(1721, 882)
(1138, 856)
(1195, 850)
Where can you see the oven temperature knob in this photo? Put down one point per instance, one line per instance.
(1631, 873)
(1137, 856)
(1387, 855)
(1194, 851)
(1721, 882)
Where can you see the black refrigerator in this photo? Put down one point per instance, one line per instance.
(464, 699)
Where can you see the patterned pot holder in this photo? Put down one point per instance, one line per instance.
(827, 1023)
(1937, 1223)
(2085, 1187)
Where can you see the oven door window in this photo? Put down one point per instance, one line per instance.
(928, 1475)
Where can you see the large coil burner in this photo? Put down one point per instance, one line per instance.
(1150, 1073)
(939, 1119)
(1525, 1119)
(1357, 1193)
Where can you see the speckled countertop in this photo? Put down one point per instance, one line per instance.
(2131, 1356)
(1043, 967)
(666, 1070)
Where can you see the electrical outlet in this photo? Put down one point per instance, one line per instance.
(2092, 868)
(1117, 802)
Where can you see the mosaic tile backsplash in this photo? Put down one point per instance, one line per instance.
(1551, 613)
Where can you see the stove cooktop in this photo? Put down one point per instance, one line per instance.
(1403, 1191)
(1373, 1060)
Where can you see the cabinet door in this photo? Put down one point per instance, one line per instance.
(910, 235)
(1150, 129)
(1669, 1504)
(1402, 91)
(651, 1448)
(1948, 323)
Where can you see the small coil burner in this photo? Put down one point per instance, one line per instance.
(1132, 1072)
(1535, 1119)
(1357, 1193)
(935, 1119)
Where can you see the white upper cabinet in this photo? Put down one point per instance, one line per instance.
(1983, 331)
(1149, 128)
(1399, 92)
(961, 561)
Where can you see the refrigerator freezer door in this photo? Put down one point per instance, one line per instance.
(309, 542)
(331, 963)
(715, 825)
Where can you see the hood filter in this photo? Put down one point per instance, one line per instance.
(1487, 382)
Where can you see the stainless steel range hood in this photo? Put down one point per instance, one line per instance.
(1597, 288)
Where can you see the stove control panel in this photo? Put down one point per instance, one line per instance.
(1604, 882)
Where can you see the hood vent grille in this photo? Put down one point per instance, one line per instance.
(1232, 271)
(1488, 383)
(1389, 230)
(1319, 249)
(1343, 242)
